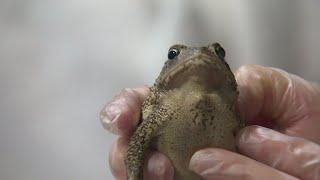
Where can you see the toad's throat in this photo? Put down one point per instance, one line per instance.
(192, 66)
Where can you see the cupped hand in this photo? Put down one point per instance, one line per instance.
(268, 97)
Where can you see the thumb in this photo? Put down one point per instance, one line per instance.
(293, 155)
(276, 99)
(212, 163)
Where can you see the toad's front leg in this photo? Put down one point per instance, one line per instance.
(140, 143)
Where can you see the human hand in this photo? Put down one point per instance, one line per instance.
(281, 101)
(273, 99)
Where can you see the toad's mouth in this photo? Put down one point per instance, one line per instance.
(202, 66)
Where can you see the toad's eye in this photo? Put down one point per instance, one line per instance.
(173, 52)
(219, 51)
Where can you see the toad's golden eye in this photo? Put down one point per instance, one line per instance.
(173, 52)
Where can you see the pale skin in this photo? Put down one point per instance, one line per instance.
(282, 144)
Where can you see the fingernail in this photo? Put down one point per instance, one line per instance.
(113, 109)
(109, 115)
(159, 167)
(204, 160)
(110, 112)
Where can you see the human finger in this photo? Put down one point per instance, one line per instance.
(214, 163)
(292, 155)
(276, 99)
(157, 166)
(122, 113)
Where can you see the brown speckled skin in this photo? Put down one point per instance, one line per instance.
(191, 106)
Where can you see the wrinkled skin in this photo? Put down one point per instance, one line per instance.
(190, 106)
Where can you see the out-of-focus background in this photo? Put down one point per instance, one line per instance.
(61, 60)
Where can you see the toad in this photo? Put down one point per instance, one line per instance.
(192, 105)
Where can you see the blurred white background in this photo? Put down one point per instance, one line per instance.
(61, 60)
